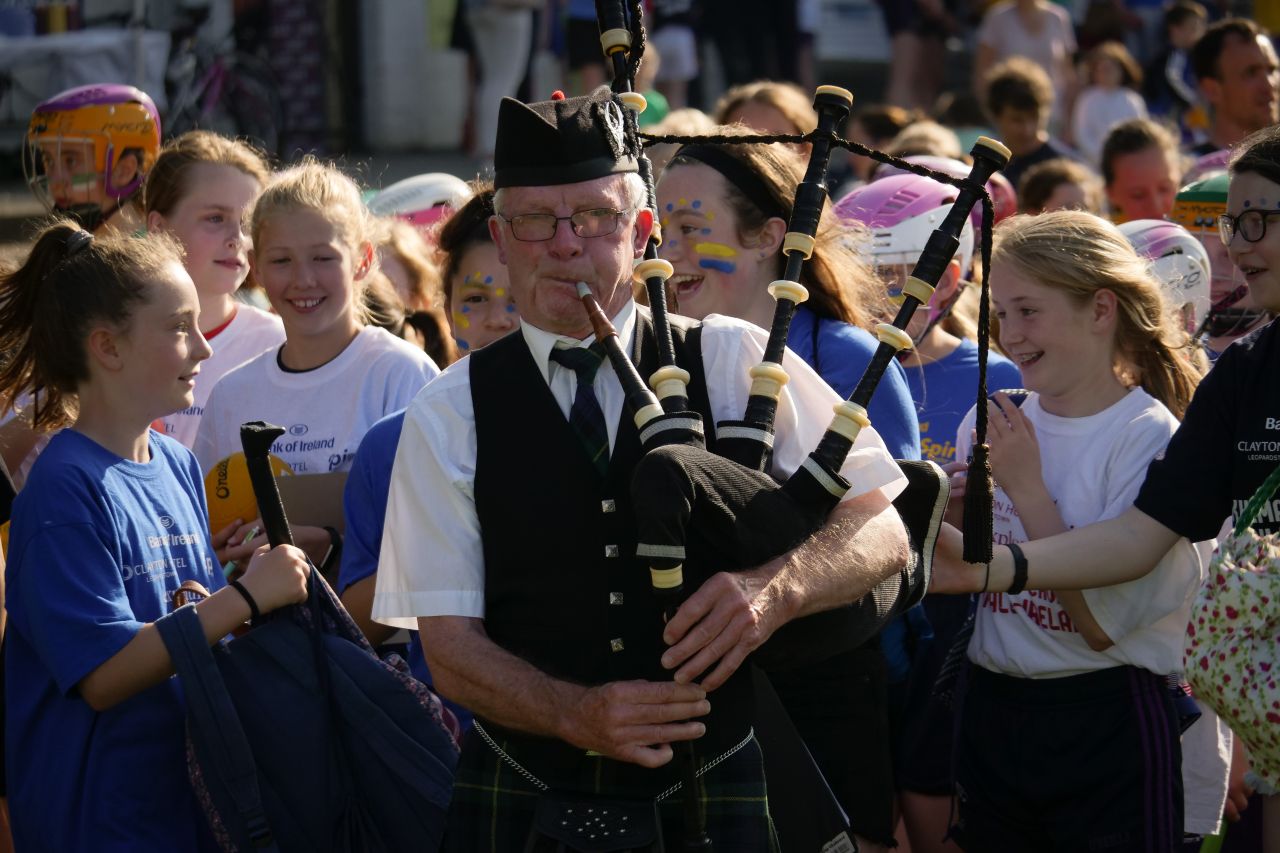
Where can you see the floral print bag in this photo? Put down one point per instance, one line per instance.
(1232, 656)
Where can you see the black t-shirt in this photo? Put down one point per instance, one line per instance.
(1228, 443)
(1050, 150)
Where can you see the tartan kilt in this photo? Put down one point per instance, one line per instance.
(493, 804)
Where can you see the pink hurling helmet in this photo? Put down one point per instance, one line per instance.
(901, 211)
(1004, 201)
(421, 200)
(1179, 261)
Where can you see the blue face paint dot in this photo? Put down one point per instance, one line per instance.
(670, 207)
(488, 279)
(1248, 203)
(706, 230)
(697, 203)
(461, 343)
(466, 309)
(511, 309)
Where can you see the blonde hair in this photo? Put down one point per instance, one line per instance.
(319, 187)
(841, 283)
(1081, 254)
(406, 244)
(925, 137)
(787, 98)
(683, 122)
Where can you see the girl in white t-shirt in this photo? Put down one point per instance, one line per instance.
(1109, 97)
(334, 376)
(201, 191)
(1069, 739)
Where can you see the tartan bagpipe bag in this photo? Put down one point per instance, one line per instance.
(1232, 657)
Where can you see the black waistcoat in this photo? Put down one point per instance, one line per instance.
(563, 589)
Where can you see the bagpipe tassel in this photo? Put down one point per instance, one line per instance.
(978, 495)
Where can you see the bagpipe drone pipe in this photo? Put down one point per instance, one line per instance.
(696, 508)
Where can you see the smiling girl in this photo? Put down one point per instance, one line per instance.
(1079, 675)
(107, 534)
(334, 376)
(201, 191)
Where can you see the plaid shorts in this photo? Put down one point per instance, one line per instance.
(493, 803)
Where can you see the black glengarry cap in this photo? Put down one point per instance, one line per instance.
(562, 141)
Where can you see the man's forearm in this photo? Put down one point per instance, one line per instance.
(862, 544)
(472, 670)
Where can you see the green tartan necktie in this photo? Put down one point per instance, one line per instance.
(585, 416)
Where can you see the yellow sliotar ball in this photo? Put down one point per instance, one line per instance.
(229, 493)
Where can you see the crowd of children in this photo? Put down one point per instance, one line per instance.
(188, 288)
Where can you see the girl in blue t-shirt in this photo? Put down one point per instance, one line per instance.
(108, 536)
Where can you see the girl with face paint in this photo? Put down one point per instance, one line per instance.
(481, 308)
(724, 211)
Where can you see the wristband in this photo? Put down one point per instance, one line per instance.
(254, 613)
(1019, 569)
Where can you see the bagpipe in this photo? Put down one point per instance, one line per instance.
(699, 511)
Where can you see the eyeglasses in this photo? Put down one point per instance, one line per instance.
(1251, 225)
(536, 227)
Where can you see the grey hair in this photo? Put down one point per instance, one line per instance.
(634, 192)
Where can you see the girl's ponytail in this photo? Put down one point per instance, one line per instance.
(22, 293)
(69, 282)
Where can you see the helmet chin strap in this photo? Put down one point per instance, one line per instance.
(1232, 321)
(91, 216)
(1224, 319)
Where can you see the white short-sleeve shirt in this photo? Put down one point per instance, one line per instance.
(432, 562)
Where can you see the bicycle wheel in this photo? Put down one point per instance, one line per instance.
(252, 100)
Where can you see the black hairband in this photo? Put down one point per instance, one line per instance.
(77, 242)
(743, 177)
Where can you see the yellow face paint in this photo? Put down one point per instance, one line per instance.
(715, 250)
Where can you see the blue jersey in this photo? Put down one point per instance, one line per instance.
(944, 392)
(99, 544)
(364, 505)
(839, 353)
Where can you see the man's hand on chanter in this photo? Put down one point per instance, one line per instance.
(637, 721)
(730, 616)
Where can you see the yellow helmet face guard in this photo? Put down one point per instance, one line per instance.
(109, 131)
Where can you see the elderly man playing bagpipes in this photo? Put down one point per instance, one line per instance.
(511, 539)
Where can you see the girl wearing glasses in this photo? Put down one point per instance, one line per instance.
(334, 375)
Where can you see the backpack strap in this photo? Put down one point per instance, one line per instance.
(215, 717)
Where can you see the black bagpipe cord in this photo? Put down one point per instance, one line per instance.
(978, 499)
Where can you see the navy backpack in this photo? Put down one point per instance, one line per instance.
(299, 738)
